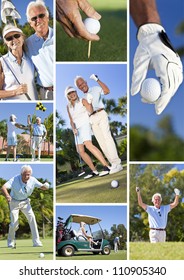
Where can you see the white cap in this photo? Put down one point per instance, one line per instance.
(13, 116)
(68, 90)
(11, 28)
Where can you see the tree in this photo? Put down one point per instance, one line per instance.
(3, 131)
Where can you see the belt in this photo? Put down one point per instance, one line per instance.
(96, 111)
(48, 88)
(37, 135)
(160, 229)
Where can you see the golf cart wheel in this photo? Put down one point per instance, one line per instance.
(67, 251)
(106, 250)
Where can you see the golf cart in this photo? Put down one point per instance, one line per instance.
(71, 242)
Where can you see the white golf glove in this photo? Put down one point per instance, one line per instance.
(94, 77)
(177, 192)
(46, 185)
(156, 52)
(137, 189)
(89, 98)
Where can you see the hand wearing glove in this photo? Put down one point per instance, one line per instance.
(89, 98)
(94, 77)
(177, 192)
(46, 185)
(137, 189)
(156, 52)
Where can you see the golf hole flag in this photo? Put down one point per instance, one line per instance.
(8, 10)
(39, 106)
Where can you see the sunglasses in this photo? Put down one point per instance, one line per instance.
(38, 16)
(10, 38)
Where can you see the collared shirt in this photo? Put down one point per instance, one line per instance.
(158, 217)
(24, 73)
(97, 94)
(20, 190)
(39, 129)
(11, 129)
(42, 55)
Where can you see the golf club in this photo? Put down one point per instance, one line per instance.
(80, 159)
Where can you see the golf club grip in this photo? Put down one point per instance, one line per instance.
(27, 95)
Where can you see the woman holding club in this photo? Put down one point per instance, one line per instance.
(16, 69)
(79, 119)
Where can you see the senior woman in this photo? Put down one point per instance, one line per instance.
(16, 69)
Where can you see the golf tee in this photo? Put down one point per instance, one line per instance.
(89, 49)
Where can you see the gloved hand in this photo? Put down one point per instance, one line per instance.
(156, 52)
(46, 185)
(137, 189)
(89, 98)
(94, 77)
(177, 192)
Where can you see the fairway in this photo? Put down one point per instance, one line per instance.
(113, 36)
(26, 160)
(157, 251)
(25, 250)
(94, 190)
(120, 255)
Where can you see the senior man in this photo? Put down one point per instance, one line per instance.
(39, 134)
(157, 215)
(21, 187)
(99, 119)
(40, 47)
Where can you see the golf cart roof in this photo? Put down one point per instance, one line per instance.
(76, 218)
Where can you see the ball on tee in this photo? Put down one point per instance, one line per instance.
(42, 255)
(114, 184)
(92, 25)
(150, 89)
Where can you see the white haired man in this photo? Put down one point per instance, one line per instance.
(99, 119)
(39, 133)
(40, 47)
(21, 187)
(157, 215)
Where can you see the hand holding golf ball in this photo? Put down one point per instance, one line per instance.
(150, 90)
(177, 192)
(92, 25)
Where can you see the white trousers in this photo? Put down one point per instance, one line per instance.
(101, 130)
(25, 207)
(36, 144)
(157, 236)
(115, 247)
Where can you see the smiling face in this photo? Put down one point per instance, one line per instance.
(26, 176)
(14, 40)
(157, 201)
(39, 20)
(82, 85)
(72, 96)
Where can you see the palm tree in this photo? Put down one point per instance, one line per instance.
(3, 131)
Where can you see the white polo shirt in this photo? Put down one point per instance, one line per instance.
(158, 217)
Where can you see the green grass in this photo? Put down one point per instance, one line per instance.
(113, 36)
(121, 255)
(26, 251)
(156, 251)
(27, 159)
(94, 190)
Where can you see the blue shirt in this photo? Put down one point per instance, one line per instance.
(20, 190)
(39, 130)
(41, 53)
(158, 217)
(116, 239)
(97, 94)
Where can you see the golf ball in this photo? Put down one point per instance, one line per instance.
(150, 89)
(42, 255)
(114, 184)
(92, 25)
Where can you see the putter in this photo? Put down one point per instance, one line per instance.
(80, 159)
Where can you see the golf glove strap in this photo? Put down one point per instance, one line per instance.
(94, 77)
(156, 52)
(177, 192)
(89, 98)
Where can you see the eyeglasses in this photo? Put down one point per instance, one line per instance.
(10, 38)
(38, 16)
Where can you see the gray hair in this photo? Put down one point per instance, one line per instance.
(25, 168)
(76, 78)
(37, 3)
(156, 194)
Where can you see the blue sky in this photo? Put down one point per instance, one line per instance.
(21, 110)
(108, 214)
(44, 171)
(21, 6)
(114, 75)
(171, 14)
